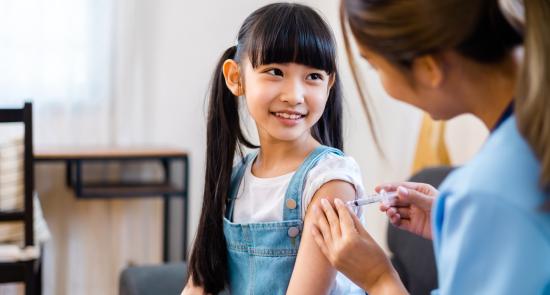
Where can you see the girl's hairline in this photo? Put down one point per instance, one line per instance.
(247, 58)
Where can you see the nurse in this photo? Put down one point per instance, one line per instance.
(490, 219)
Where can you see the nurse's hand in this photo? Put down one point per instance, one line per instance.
(412, 209)
(352, 251)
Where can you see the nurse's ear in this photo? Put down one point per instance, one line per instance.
(428, 70)
(232, 77)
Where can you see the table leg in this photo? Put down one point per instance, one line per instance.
(78, 178)
(166, 229)
(185, 202)
(69, 171)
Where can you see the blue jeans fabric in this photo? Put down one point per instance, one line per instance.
(261, 256)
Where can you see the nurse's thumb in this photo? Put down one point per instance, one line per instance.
(414, 197)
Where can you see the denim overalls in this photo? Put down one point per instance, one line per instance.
(261, 256)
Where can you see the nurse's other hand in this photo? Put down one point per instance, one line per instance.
(352, 251)
(412, 209)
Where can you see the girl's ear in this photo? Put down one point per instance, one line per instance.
(232, 77)
(428, 71)
(331, 79)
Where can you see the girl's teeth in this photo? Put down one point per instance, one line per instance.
(289, 116)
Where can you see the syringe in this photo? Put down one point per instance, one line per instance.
(383, 196)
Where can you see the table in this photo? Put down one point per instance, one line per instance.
(75, 158)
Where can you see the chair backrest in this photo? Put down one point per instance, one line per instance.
(412, 256)
(23, 115)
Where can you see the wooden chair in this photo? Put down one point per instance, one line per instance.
(28, 270)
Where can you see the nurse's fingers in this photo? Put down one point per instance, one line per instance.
(319, 239)
(404, 212)
(332, 218)
(404, 224)
(413, 197)
(396, 220)
(391, 186)
(394, 217)
(320, 221)
(385, 207)
(359, 227)
(347, 225)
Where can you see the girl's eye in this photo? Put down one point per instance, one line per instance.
(275, 72)
(315, 76)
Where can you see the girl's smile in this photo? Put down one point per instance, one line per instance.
(289, 117)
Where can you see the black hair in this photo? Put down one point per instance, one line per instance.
(276, 33)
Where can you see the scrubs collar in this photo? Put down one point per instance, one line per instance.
(505, 115)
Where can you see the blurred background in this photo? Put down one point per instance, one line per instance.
(132, 73)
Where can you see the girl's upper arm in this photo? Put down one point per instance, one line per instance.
(312, 272)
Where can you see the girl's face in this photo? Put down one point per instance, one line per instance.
(285, 100)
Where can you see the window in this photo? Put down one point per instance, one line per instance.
(55, 51)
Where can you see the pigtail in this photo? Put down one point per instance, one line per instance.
(328, 130)
(208, 260)
(533, 101)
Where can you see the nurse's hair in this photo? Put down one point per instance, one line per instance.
(532, 104)
(276, 33)
(401, 30)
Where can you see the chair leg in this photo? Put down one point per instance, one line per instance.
(38, 277)
(30, 285)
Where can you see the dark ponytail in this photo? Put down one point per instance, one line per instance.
(328, 130)
(208, 261)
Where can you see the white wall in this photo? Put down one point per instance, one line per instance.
(185, 39)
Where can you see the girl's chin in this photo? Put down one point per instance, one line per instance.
(287, 135)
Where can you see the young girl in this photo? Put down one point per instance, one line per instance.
(254, 234)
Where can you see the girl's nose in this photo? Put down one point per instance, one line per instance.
(293, 93)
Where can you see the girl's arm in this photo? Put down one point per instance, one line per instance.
(350, 248)
(313, 274)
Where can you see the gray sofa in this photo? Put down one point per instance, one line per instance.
(153, 279)
(412, 256)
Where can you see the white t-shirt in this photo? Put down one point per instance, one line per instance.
(262, 199)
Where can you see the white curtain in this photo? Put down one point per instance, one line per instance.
(81, 63)
(57, 53)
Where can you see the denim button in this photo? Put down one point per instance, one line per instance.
(290, 203)
(293, 232)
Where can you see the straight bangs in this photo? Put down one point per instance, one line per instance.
(292, 34)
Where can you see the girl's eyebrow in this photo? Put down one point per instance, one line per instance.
(271, 65)
(286, 64)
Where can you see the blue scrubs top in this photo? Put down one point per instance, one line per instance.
(490, 237)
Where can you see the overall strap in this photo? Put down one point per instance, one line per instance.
(292, 208)
(236, 177)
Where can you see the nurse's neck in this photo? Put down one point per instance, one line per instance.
(492, 89)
